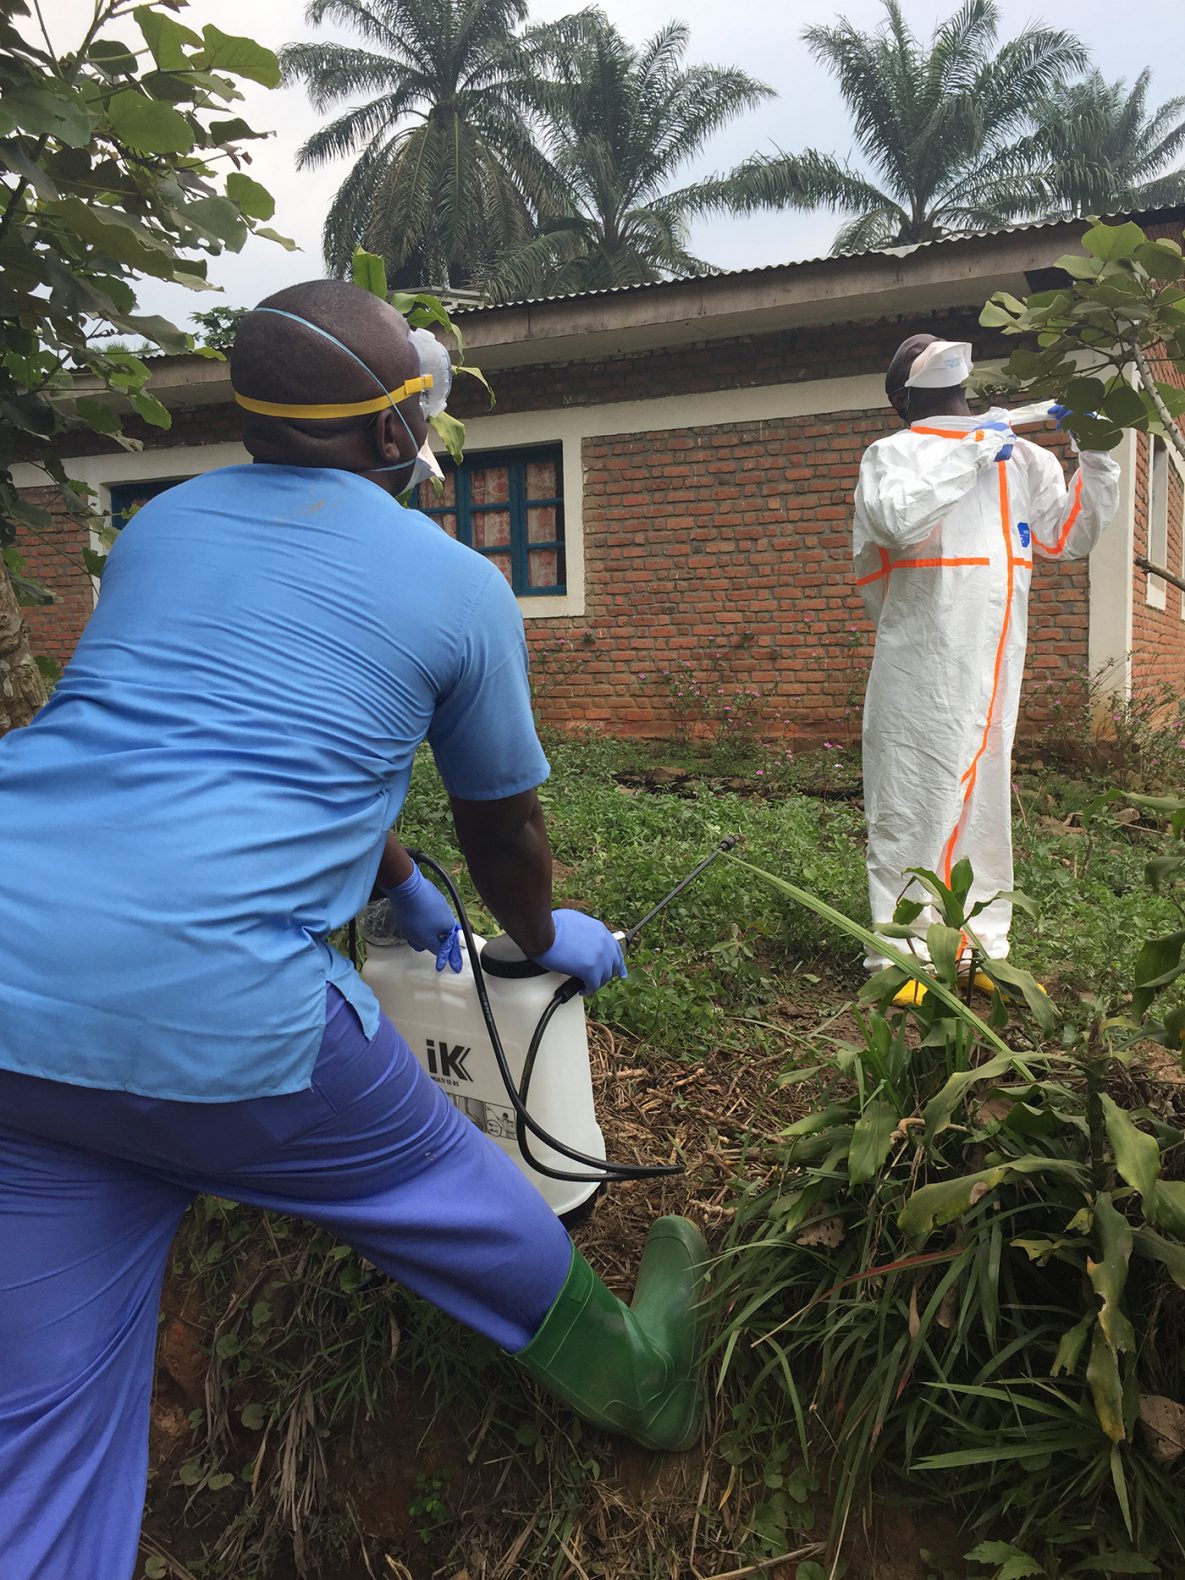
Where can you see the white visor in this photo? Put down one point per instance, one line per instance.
(940, 365)
(434, 360)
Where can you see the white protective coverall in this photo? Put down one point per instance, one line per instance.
(943, 547)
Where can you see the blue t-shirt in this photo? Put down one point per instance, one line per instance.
(207, 793)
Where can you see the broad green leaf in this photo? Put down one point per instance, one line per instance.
(252, 199)
(452, 431)
(944, 944)
(1165, 1206)
(165, 37)
(148, 125)
(1137, 1156)
(1110, 242)
(191, 1473)
(369, 272)
(94, 562)
(97, 416)
(993, 316)
(937, 1112)
(946, 1200)
(49, 109)
(150, 409)
(872, 1136)
(1083, 395)
(1161, 259)
(1023, 984)
(1124, 405)
(114, 58)
(1106, 1387)
(217, 217)
(1077, 265)
(1069, 1351)
(1157, 965)
(274, 235)
(242, 57)
(1155, 1248)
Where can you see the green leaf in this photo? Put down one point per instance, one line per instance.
(217, 217)
(190, 1473)
(51, 670)
(98, 416)
(1155, 1248)
(165, 37)
(1069, 1351)
(1077, 265)
(151, 409)
(1157, 965)
(242, 57)
(946, 1200)
(94, 561)
(452, 431)
(114, 58)
(155, 1567)
(220, 1481)
(1124, 405)
(147, 125)
(1161, 259)
(274, 235)
(1112, 242)
(1166, 1206)
(1084, 395)
(944, 944)
(49, 109)
(872, 1136)
(252, 199)
(253, 1417)
(369, 272)
(1137, 1156)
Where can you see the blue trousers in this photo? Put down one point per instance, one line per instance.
(92, 1186)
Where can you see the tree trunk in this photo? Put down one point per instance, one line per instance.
(1172, 431)
(22, 691)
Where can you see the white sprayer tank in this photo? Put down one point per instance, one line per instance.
(439, 1015)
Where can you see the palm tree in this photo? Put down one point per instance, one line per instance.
(938, 127)
(447, 170)
(1098, 151)
(618, 124)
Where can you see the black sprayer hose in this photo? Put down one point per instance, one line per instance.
(606, 1170)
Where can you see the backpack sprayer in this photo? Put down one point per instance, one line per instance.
(517, 1034)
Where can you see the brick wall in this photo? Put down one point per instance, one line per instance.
(53, 557)
(736, 541)
(1158, 635)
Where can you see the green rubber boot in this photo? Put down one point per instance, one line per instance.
(631, 1369)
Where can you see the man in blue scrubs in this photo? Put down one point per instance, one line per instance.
(204, 799)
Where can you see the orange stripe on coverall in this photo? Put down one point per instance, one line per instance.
(968, 779)
(888, 566)
(1067, 524)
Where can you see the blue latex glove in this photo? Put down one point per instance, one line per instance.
(1060, 413)
(425, 918)
(584, 948)
(1005, 450)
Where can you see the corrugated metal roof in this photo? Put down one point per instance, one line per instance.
(903, 251)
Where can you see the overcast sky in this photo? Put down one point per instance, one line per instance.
(760, 36)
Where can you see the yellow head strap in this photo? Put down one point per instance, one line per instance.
(355, 408)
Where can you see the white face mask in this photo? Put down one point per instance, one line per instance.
(941, 365)
(423, 467)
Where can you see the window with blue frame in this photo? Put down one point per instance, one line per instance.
(126, 498)
(508, 505)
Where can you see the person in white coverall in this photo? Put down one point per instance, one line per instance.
(949, 515)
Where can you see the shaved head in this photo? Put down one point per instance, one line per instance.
(276, 359)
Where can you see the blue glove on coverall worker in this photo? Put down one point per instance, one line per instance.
(949, 514)
(203, 800)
